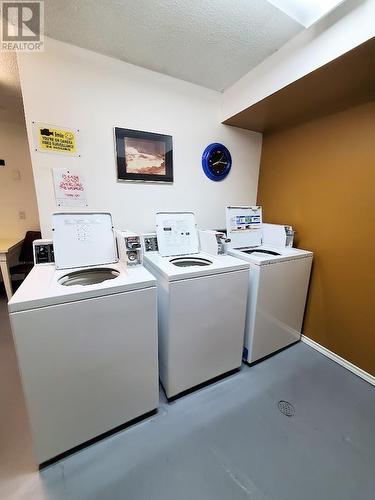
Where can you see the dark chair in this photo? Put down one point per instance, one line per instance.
(26, 257)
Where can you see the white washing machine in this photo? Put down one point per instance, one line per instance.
(278, 285)
(86, 338)
(201, 305)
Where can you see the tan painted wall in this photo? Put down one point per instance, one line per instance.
(17, 191)
(320, 177)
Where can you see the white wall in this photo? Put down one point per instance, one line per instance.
(17, 191)
(73, 87)
(348, 26)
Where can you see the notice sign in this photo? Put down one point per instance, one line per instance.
(70, 189)
(53, 139)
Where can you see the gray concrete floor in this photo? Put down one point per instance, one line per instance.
(227, 441)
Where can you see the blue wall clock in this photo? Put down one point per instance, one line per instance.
(216, 161)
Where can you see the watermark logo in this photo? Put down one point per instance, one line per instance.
(22, 26)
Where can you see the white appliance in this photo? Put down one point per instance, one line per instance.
(86, 338)
(213, 242)
(278, 285)
(201, 305)
(129, 248)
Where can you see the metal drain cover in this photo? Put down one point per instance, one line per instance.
(286, 408)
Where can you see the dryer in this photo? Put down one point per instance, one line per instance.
(278, 283)
(85, 331)
(201, 305)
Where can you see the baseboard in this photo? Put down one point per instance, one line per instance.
(338, 359)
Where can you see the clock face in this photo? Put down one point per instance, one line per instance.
(216, 161)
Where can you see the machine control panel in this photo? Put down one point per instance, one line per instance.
(221, 240)
(129, 248)
(213, 242)
(150, 242)
(43, 252)
(133, 250)
(132, 242)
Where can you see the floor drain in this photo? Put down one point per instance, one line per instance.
(286, 408)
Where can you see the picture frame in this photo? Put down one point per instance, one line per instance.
(143, 156)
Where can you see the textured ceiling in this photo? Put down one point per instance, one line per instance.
(209, 42)
(11, 107)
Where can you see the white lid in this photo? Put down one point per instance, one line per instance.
(244, 226)
(177, 233)
(83, 239)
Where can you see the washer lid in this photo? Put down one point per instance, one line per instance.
(83, 239)
(177, 233)
(244, 226)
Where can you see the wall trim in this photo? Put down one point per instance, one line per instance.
(338, 359)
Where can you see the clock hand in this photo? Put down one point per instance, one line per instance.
(219, 161)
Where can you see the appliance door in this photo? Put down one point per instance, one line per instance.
(87, 367)
(205, 327)
(83, 239)
(277, 299)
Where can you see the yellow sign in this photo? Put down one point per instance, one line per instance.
(56, 140)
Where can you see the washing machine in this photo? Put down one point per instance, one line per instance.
(85, 331)
(201, 305)
(278, 284)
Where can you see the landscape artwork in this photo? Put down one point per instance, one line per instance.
(143, 156)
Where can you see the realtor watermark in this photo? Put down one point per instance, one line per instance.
(22, 26)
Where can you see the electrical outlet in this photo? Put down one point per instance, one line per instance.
(2, 163)
(22, 214)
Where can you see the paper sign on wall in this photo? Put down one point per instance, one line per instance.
(53, 139)
(70, 188)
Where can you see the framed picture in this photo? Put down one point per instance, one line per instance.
(143, 156)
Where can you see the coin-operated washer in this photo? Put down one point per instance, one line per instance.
(85, 330)
(278, 282)
(201, 304)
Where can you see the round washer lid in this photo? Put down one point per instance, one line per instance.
(83, 239)
(244, 226)
(177, 233)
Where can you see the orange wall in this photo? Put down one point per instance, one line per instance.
(320, 177)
